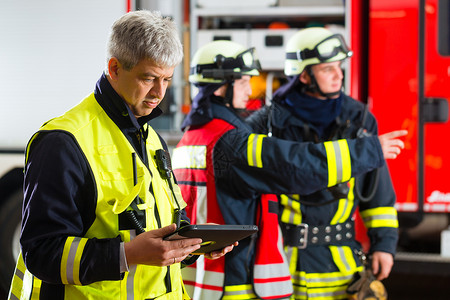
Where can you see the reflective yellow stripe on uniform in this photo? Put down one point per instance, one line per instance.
(380, 217)
(291, 213)
(36, 288)
(234, 292)
(24, 285)
(343, 258)
(70, 261)
(292, 255)
(189, 157)
(254, 150)
(320, 285)
(339, 163)
(201, 283)
(345, 206)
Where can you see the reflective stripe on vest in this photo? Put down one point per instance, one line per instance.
(22, 281)
(201, 283)
(193, 168)
(271, 276)
(192, 157)
(189, 157)
(205, 278)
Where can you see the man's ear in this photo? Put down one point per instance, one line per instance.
(113, 68)
(220, 92)
(304, 78)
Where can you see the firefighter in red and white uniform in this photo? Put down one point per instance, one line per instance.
(223, 169)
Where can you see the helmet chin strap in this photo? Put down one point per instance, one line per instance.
(228, 99)
(314, 87)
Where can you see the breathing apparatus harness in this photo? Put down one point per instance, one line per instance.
(375, 176)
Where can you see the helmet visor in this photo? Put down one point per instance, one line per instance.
(229, 68)
(323, 51)
(248, 60)
(330, 47)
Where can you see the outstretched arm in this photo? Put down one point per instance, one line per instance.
(391, 144)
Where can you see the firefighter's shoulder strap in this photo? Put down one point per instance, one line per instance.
(373, 177)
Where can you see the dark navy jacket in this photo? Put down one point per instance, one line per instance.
(288, 168)
(286, 124)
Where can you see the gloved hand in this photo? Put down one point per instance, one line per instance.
(365, 287)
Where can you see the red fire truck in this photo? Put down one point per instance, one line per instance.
(401, 68)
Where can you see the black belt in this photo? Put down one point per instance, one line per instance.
(304, 235)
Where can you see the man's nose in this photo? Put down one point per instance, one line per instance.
(339, 73)
(249, 89)
(158, 90)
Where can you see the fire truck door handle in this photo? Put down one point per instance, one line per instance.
(435, 110)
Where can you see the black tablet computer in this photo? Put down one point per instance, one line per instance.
(215, 237)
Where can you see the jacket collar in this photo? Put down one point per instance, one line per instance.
(201, 112)
(116, 108)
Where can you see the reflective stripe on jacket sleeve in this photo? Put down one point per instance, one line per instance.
(339, 162)
(380, 217)
(338, 157)
(71, 258)
(254, 150)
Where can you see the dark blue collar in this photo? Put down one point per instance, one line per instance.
(317, 112)
(117, 109)
(201, 112)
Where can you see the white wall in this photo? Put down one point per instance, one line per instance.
(52, 52)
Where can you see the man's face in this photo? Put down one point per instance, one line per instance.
(241, 92)
(328, 76)
(143, 87)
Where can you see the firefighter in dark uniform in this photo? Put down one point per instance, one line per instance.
(223, 169)
(318, 228)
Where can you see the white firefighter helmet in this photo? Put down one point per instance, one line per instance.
(312, 46)
(221, 61)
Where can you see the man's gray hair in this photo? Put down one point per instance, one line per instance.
(145, 34)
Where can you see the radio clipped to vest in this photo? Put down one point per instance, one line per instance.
(136, 216)
(162, 158)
